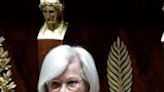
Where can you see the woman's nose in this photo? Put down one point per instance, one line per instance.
(63, 89)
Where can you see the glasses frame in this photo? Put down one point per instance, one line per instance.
(47, 84)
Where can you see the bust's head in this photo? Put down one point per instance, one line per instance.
(52, 12)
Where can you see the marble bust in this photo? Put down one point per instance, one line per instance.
(54, 26)
(53, 30)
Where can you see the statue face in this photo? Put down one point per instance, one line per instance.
(51, 15)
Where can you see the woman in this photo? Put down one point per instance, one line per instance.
(68, 69)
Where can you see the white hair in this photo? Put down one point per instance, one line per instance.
(57, 60)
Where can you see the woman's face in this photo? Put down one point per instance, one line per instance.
(50, 14)
(69, 81)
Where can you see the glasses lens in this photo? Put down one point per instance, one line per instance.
(72, 84)
(55, 84)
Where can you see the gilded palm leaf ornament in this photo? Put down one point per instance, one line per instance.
(6, 82)
(119, 70)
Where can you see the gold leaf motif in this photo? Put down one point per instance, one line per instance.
(119, 70)
(6, 82)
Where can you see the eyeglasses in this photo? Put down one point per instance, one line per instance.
(71, 84)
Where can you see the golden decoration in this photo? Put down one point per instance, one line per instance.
(6, 82)
(119, 70)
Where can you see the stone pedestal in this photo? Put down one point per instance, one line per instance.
(44, 45)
